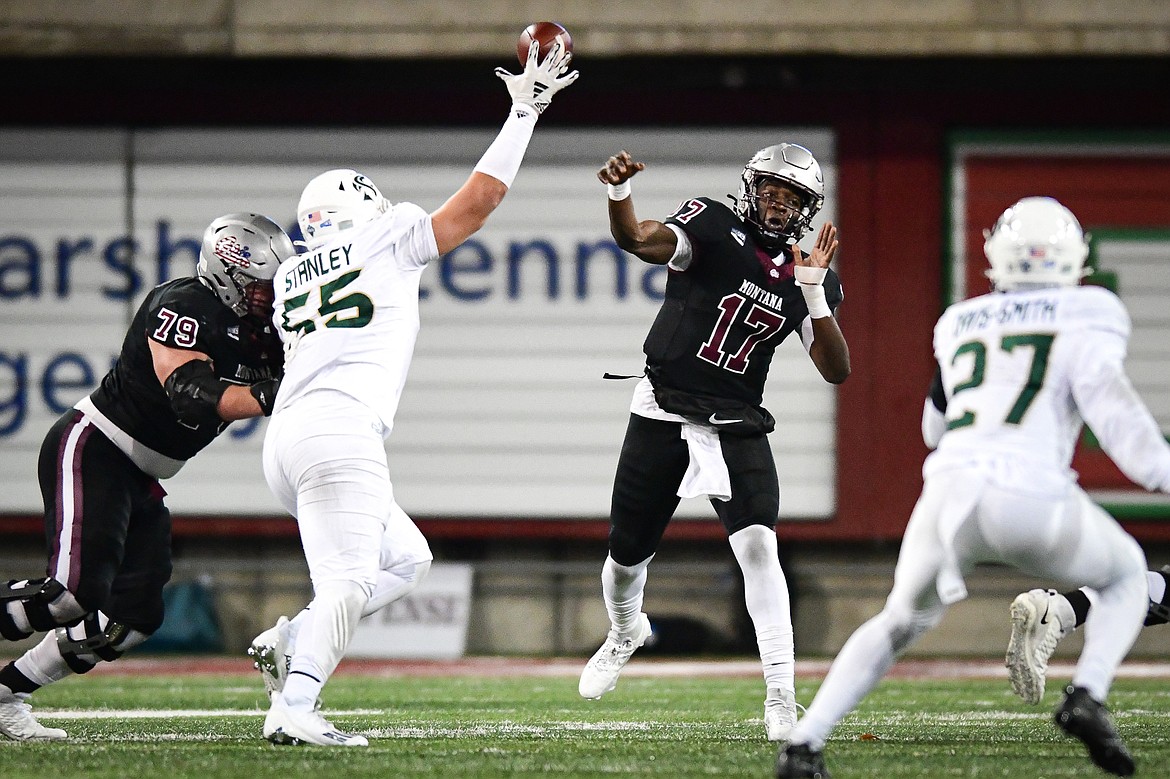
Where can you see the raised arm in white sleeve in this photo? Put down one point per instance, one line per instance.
(1115, 412)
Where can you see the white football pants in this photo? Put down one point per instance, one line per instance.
(1044, 527)
(325, 461)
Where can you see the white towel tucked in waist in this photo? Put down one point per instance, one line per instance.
(707, 471)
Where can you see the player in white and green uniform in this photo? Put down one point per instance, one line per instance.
(1021, 370)
(347, 311)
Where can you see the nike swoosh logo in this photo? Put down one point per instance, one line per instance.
(716, 421)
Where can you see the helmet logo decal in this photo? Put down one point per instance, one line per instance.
(229, 250)
(365, 187)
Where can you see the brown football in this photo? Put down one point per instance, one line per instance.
(544, 32)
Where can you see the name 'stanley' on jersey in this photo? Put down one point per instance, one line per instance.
(317, 264)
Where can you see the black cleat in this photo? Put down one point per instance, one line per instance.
(798, 761)
(1080, 716)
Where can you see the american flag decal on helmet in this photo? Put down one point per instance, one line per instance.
(231, 252)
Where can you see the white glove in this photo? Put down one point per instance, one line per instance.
(539, 81)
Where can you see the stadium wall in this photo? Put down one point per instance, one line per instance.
(893, 123)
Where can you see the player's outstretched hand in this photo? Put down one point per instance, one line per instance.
(619, 168)
(540, 80)
(823, 252)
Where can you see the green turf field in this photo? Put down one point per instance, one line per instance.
(208, 727)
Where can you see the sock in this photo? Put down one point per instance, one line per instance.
(294, 628)
(1080, 605)
(43, 664)
(15, 682)
(323, 637)
(1157, 582)
(866, 657)
(622, 587)
(301, 690)
(1159, 613)
(860, 665)
(766, 593)
(1110, 630)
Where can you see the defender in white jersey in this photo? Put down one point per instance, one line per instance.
(1020, 371)
(347, 311)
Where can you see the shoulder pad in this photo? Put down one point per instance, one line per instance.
(704, 219)
(183, 314)
(1099, 309)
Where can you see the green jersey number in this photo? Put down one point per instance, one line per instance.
(334, 310)
(1041, 346)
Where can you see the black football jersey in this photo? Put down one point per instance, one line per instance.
(182, 314)
(724, 316)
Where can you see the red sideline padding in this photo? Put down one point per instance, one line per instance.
(488, 529)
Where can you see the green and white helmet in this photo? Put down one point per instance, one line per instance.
(1036, 242)
(337, 200)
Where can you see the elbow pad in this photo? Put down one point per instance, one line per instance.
(194, 391)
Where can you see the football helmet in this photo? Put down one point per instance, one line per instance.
(337, 200)
(794, 166)
(1036, 242)
(238, 260)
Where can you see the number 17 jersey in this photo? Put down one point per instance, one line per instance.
(347, 311)
(724, 316)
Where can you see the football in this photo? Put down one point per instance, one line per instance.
(544, 32)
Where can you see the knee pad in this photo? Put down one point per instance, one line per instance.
(41, 604)
(755, 548)
(94, 639)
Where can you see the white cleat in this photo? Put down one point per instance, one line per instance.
(287, 727)
(17, 722)
(779, 713)
(269, 652)
(1036, 630)
(602, 671)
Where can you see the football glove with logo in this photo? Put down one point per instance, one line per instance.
(539, 81)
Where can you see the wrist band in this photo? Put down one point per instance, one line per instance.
(502, 159)
(618, 191)
(814, 299)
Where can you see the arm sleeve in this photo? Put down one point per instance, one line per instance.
(1119, 418)
(934, 422)
(684, 252)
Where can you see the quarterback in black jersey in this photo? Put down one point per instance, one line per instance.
(200, 352)
(738, 285)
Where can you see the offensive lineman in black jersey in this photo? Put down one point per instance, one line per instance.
(200, 352)
(738, 286)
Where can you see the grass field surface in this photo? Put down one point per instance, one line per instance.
(206, 725)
